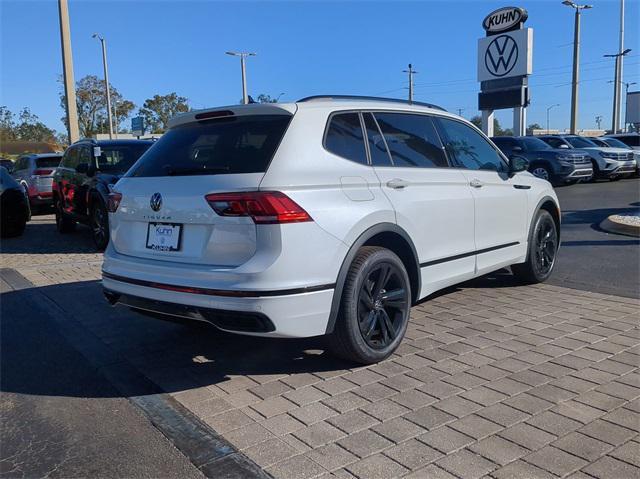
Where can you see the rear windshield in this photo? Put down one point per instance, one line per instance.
(48, 162)
(119, 158)
(239, 144)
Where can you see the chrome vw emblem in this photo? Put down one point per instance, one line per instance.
(501, 55)
(156, 202)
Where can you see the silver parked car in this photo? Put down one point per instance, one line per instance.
(35, 173)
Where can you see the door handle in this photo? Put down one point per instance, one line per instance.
(397, 183)
(476, 183)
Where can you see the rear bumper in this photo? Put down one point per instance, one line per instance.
(285, 313)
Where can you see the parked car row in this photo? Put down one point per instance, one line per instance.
(567, 159)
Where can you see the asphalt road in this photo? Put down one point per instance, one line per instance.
(591, 259)
(60, 417)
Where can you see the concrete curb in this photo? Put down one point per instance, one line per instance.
(613, 225)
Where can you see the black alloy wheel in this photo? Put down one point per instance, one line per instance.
(546, 245)
(383, 305)
(100, 226)
(374, 307)
(543, 248)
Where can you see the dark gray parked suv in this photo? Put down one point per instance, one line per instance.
(558, 166)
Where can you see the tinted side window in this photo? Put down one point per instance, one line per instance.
(345, 137)
(84, 155)
(555, 142)
(505, 144)
(412, 140)
(469, 149)
(377, 146)
(71, 157)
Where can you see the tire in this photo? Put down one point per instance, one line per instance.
(596, 172)
(99, 222)
(542, 252)
(374, 308)
(541, 171)
(64, 224)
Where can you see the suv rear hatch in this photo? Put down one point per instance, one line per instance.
(163, 214)
(43, 175)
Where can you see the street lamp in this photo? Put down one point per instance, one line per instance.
(278, 97)
(243, 55)
(615, 121)
(548, 110)
(106, 81)
(576, 61)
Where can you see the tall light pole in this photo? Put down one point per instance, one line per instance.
(71, 106)
(615, 120)
(411, 72)
(243, 55)
(576, 62)
(106, 81)
(548, 110)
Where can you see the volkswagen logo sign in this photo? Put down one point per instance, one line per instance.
(156, 202)
(501, 55)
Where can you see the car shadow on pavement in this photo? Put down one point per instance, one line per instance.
(43, 238)
(177, 357)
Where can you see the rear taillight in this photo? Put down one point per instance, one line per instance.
(264, 207)
(113, 202)
(42, 172)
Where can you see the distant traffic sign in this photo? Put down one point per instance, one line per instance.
(137, 126)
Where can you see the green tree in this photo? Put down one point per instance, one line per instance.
(92, 106)
(533, 126)
(7, 125)
(157, 111)
(497, 129)
(264, 98)
(27, 126)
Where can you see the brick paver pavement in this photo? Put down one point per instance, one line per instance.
(493, 379)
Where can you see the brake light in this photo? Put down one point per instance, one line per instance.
(41, 172)
(264, 207)
(114, 201)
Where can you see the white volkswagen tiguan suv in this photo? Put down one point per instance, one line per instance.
(328, 216)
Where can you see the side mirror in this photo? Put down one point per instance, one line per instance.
(516, 149)
(82, 168)
(563, 146)
(517, 164)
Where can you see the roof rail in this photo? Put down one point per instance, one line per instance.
(372, 98)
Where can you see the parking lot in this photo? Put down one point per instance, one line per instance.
(493, 378)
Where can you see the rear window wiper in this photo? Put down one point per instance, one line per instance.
(177, 171)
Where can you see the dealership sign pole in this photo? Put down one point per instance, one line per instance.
(505, 61)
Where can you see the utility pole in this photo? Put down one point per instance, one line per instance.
(243, 55)
(548, 110)
(460, 110)
(106, 82)
(599, 121)
(411, 72)
(615, 120)
(618, 85)
(576, 62)
(71, 106)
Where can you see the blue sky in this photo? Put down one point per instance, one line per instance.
(305, 48)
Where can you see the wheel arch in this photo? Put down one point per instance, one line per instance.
(547, 203)
(387, 235)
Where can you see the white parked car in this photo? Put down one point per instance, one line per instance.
(329, 216)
